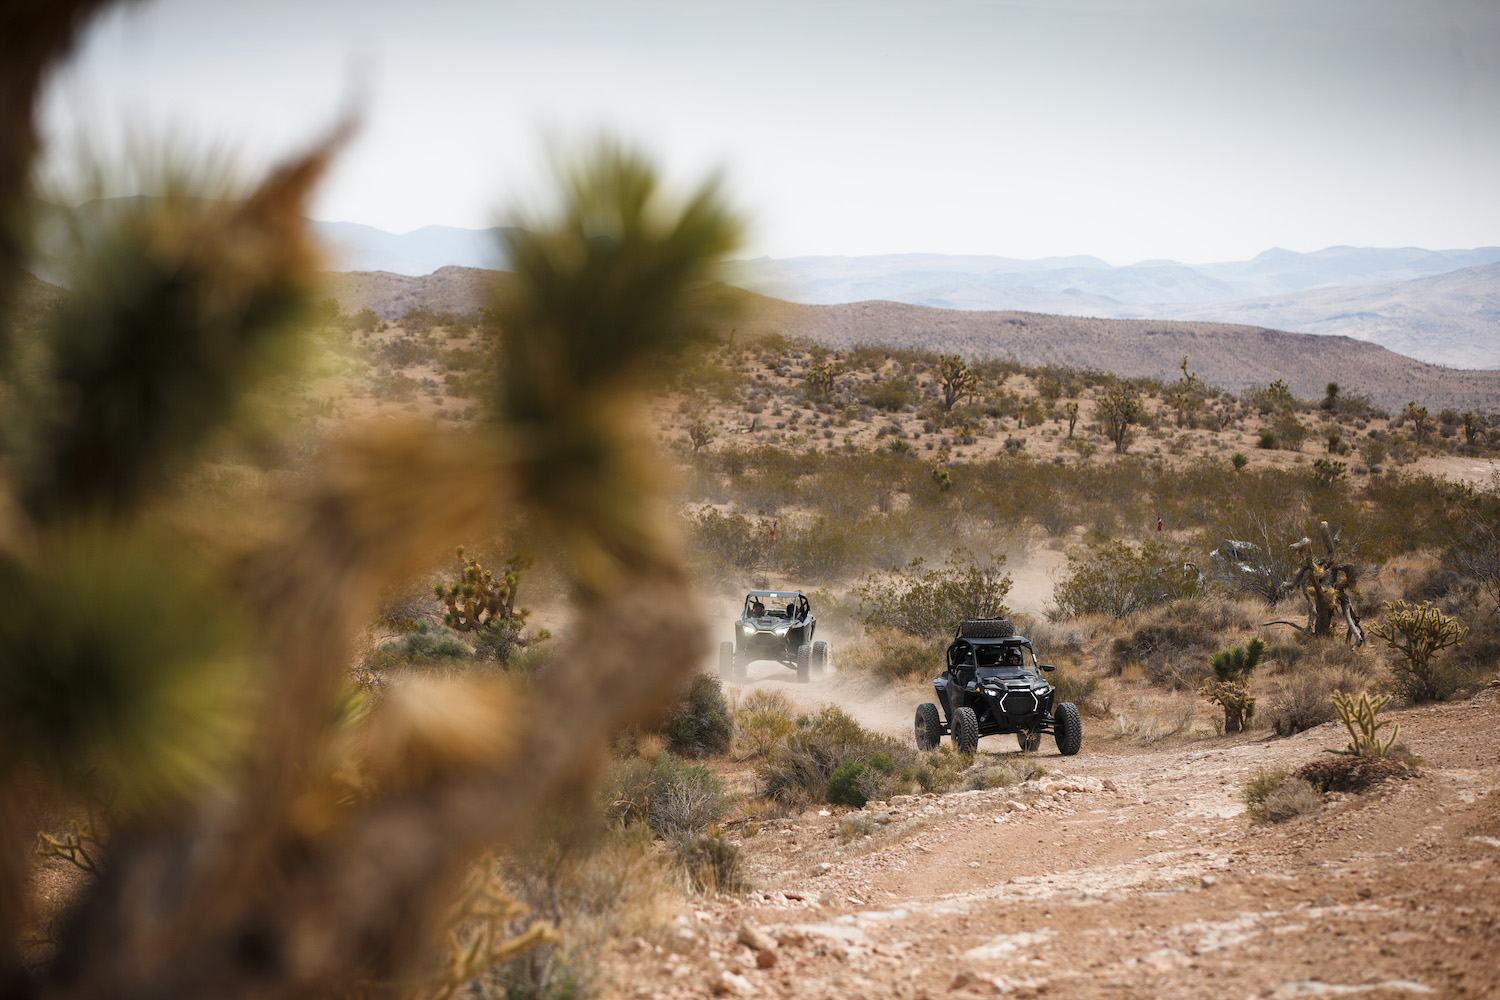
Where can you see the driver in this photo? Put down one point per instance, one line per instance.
(757, 609)
(1013, 658)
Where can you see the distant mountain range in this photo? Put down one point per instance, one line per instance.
(1439, 306)
(1228, 356)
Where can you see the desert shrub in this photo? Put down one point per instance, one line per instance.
(594, 886)
(699, 724)
(801, 768)
(675, 799)
(891, 655)
(929, 601)
(422, 646)
(1172, 646)
(1274, 796)
(403, 352)
(762, 721)
(726, 547)
(1050, 638)
(1004, 774)
(1117, 579)
(887, 394)
(1082, 690)
(1307, 701)
(942, 769)
(1151, 721)
(1289, 431)
(711, 863)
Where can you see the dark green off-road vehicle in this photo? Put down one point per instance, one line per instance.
(774, 625)
(993, 685)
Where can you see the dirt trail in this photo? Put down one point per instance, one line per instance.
(1125, 872)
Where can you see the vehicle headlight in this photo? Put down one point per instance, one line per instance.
(748, 629)
(783, 630)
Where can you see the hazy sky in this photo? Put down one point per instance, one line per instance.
(1193, 129)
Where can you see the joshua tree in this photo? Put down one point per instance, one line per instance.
(700, 434)
(477, 598)
(1072, 409)
(821, 376)
(956, 379)
(1421, 424)
(1473, 425)
(1326, 585)
(1230, 684)
(258, 846)
(1117, 410)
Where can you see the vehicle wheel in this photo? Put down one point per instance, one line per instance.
(804, 662)
(1068, 729)
(965, 730)
(986, 628)
(819, 657)
(929, 727)
(726, 660)
(1029, 741)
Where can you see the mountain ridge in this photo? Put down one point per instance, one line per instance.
(1232, 356)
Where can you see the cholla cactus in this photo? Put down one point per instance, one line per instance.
(1361, 719)
(477, 597)
(1418, 632)
(1230, 684)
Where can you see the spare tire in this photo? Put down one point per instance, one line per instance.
(986, 628)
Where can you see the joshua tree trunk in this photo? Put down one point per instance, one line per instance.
(1325, 584)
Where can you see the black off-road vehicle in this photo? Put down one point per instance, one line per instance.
(993, 684)
(774, 625)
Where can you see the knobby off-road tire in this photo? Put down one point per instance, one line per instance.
(1029, 741)
(986, 628)
(819, 658)
(804, 662)
(726, 661)
(965, 730)
(929, 727)
(1068, 729)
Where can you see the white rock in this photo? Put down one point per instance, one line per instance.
(735, 984)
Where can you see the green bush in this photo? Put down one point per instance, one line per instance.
(712, 863)
(887, 394)
(924, 601)
(891, 655)
(801, 769)
(674, 798)
(843, 787)
(942, 769)
(762, 721)
(1004, 774)
(424, 646)
(1118, 579)
(699, 725)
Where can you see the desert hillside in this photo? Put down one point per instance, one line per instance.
(1230, 356)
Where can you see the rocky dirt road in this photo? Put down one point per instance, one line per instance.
(1125, 872)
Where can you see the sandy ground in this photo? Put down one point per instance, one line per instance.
(1125, 872)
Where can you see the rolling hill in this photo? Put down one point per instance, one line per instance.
(1228, 355)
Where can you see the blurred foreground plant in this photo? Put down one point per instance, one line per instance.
(187, 676)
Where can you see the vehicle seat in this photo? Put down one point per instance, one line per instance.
(791, 612)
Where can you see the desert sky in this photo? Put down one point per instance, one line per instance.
(1197, 131)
